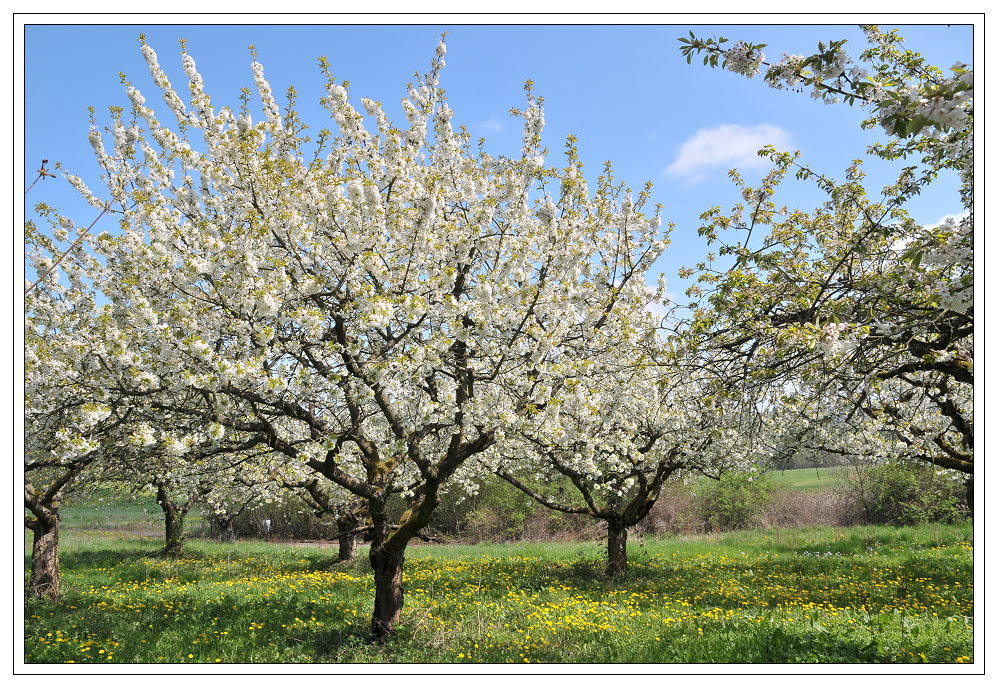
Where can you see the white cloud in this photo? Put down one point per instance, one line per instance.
(491, 125)
(727, 146)
(663, 310)
(903, 243)
(945, 218)
(660, 311)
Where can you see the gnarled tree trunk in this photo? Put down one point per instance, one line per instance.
(45, 578)
(386, 559)
(223, 528)
(348, 546)
(388, 594)
(44, 526)
(174, 532)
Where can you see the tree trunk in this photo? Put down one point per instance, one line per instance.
(346, 535)
(45, 558)
(224, 530)
(616, 547)
(174, 517)
(387, 566)
(348, 546)
(970, 494)
(174, 532)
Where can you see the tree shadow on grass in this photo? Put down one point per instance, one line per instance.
(99, 558)
(330, 643)
(786, 645)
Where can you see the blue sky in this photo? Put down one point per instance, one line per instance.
(624, 91)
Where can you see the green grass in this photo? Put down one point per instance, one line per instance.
(110, 509)
(811, 478)
(832, 595)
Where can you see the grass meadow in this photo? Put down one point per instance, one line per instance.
(811, 595)
(812, 478)
(108, 509)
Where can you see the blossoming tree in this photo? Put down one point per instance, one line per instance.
(856, 300)
(641, 414)
(326, 498)
(70, 414)
(380, 304)
(189, 464)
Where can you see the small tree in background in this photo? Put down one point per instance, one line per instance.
(619, 435)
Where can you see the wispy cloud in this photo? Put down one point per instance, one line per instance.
(660, 311)
(905, 241)
(491, 126)
(945, 218)
(727, 146)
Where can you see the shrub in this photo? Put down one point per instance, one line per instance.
(910, 493)
(799, 508)
(733, 501)
(499, 512)
(672, 513)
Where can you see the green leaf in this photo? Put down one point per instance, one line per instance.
(916, 124)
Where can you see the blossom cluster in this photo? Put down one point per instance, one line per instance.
(948, 104)
(744, 59)
(832, 343)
